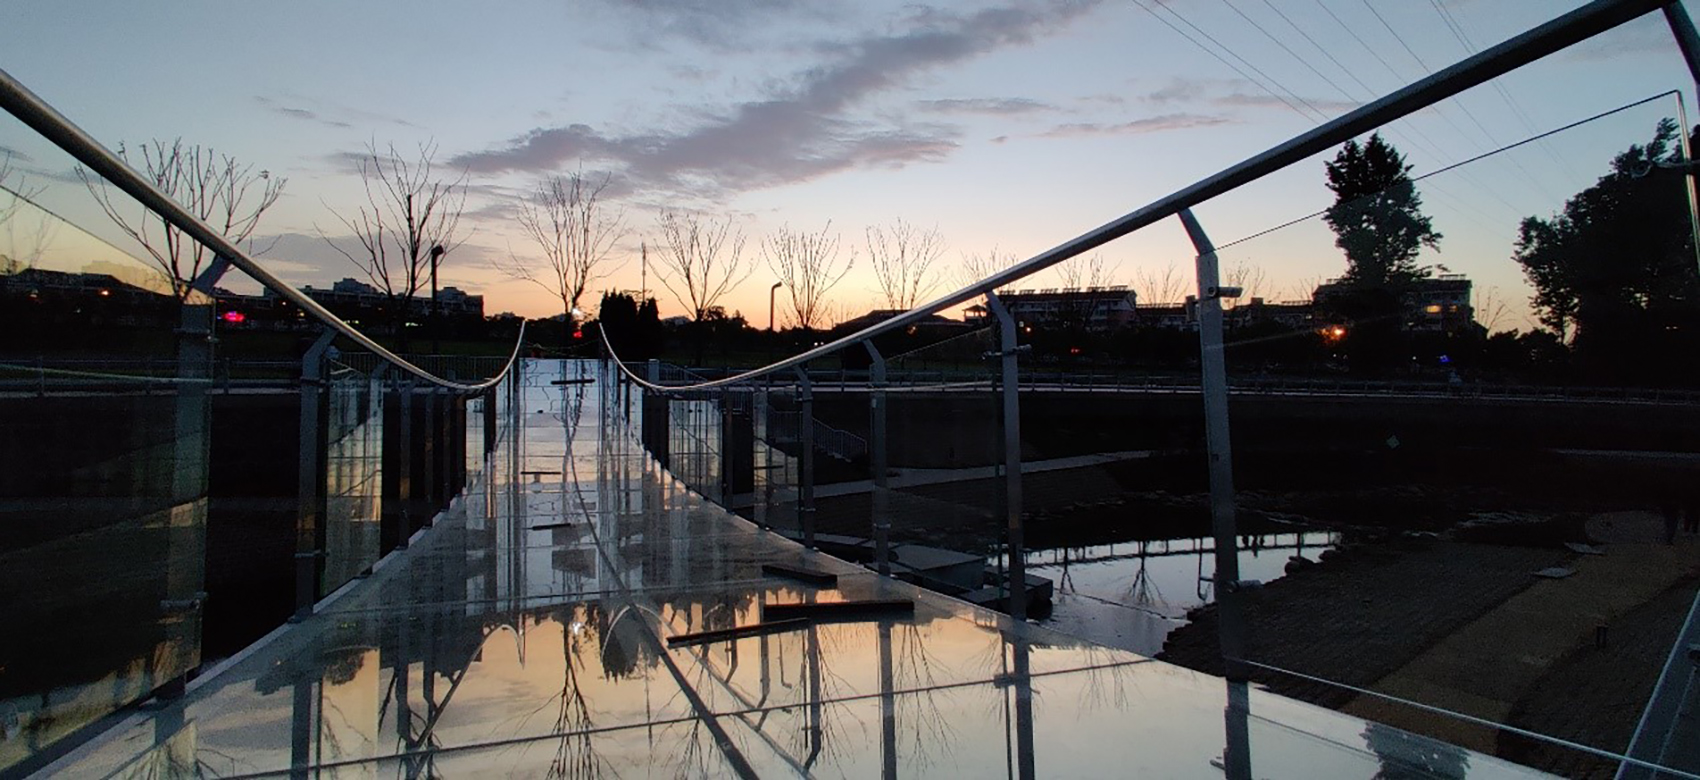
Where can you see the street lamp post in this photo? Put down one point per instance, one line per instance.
(437, 252)
(770, 292)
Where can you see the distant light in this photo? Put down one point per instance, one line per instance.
(235, 317)
(1444, 359)
(105, 293)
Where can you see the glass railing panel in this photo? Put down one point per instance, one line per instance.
(104, 376)
(1465, 484)
(353, 474)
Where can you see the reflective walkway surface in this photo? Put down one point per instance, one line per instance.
(525, 634)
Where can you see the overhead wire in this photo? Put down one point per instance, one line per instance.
(1471, 115)
(1316, 115)
(1470, 48)
(1420, 139)
(1433, 147)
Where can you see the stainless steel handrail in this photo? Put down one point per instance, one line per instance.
(54, 126)
(1564, 31)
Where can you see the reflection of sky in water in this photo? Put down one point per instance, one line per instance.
(1132, 594)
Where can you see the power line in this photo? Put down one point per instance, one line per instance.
(1285, 48)
(1319, 47)
(1471, 115)
(1320, 116)
(1470, 48)
(1427, 143)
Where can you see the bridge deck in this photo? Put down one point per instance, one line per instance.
(524, 634)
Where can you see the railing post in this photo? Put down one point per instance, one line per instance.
(877, 459)
(806, 457)
(490, 420)
(404, 472)
(1010, 380)
(310, 478)
(1213, 377)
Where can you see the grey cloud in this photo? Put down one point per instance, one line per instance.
(718, 24)
(1155, 124)
(1236, 93)
(1242, 99)
(325, 112)
(806, 131)
(996, 106)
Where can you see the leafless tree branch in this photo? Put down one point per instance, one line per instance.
(700, 259)
(224, 193)
(409, 211)
(807, 264)
(570, 223)
(904, 258)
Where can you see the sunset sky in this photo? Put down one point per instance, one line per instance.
(1010, 126)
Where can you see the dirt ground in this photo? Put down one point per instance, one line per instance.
(1467, 627)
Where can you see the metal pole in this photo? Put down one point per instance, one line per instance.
(1010, 379)
(310, 481)
(1236, 753)
(437, 253)
(877, 463)
(404, 471)
(1214, 387)
(806, 457)
(1682, 28)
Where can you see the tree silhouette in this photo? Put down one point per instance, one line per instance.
(1614, 272)
(1377, 215)
(1378, 222)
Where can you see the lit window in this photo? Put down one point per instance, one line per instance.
(1433, 308)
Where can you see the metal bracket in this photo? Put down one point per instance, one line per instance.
(1019, 349)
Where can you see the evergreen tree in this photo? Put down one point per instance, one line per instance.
(1377, 215)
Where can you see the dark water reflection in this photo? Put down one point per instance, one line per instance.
(1132, 594)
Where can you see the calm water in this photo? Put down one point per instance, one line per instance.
(1132, 594)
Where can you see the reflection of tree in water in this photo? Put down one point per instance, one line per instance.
(1143, 591)
(919, 717)
(1109, 675)
(1407, 756)
(574, 756)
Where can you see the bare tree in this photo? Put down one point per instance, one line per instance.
(1084, 273)
(700, 260)
(1166, 287)
(1081, 275)
(571, 224)
(904, 258)
(1305, 289)
(1490, 310)
(410, 220)
(1249, 278)
(972, 268)
(807, 264)
(227, 195)
(23, 249)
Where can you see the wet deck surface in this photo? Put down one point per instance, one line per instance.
(525, 635)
